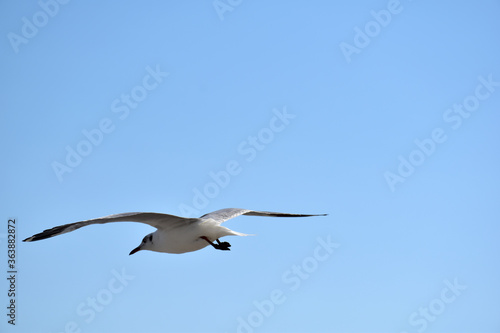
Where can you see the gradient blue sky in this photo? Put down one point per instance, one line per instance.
(383, 114)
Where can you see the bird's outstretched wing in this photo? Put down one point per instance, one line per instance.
(223, 215)
(157, 220)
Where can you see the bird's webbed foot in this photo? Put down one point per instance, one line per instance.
(224, 246)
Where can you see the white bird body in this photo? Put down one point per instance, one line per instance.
(174, 234)
(187, 238)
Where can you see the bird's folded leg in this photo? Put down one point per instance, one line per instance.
(219, 246)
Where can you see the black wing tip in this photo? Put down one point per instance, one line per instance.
(33, 238)
(297, 215)
(43, 235)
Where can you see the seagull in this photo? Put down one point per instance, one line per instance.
(174, 234)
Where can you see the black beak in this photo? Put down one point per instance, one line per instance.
(135, 250)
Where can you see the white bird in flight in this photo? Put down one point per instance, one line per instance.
(174, 234)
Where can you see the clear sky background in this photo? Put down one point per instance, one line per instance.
(385, 115)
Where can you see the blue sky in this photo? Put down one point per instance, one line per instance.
(383, 114)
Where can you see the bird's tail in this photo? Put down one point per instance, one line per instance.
(235, 233)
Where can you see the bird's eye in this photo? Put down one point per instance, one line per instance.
(150, 238)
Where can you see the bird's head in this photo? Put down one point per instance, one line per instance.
(146, 244)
